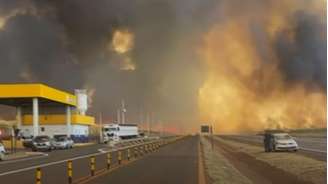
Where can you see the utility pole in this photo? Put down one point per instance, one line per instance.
(101, 127)
(123, 112)
(118, 116)
(148, 123)
(211, 131)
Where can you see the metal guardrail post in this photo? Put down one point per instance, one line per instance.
(92, 165)
(108, 160)
(135, 152)
(140, 150)
(38, 175)
(70, 171)
(128, 154)
(119, 157)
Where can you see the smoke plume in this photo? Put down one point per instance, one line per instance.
(241, 65)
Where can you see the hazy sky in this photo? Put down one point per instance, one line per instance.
(151, 52)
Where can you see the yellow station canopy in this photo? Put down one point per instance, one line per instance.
(22, 94)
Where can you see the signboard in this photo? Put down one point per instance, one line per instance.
(205, 129)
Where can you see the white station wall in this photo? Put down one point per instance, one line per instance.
(52, 130)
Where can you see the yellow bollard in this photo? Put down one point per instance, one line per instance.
(128, 154)
(92, 165)
(108, 160)
(70, 171)
(38, 175)
(119, 157)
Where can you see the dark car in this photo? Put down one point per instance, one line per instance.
(27, 141)
(42, 143)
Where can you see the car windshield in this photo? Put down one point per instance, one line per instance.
(60, 139)
(282, 137)
(41, 139)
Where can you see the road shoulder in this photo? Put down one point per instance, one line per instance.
(304, 168)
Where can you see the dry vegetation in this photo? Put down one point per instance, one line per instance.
(305, 168)
(218, 167)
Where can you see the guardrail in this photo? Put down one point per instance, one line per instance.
(122, 155)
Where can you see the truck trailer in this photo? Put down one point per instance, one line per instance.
(116, 132)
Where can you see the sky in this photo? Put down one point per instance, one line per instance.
(239, 65)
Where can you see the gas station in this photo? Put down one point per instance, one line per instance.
(43, 110)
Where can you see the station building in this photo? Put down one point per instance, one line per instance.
(43, 110)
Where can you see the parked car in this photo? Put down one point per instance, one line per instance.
(62, 142)
(279, 141)
(27, 141)
(2, 151)
(42, 143)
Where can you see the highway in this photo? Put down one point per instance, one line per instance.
(54, 164)
(173, 164)
(309, 146)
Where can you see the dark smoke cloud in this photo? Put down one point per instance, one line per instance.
(65, 44)
(304, 57)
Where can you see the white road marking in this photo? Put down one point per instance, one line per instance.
(41, 155)
(313, 150)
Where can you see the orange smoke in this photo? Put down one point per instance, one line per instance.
(237, 95)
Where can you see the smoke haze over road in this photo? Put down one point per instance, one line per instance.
(182, 62)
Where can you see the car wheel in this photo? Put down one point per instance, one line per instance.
(273, 148)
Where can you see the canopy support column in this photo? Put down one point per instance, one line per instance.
(35, 117)
(19, 117)
(68, 120)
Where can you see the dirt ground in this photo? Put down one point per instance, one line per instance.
(305, 168)
(219, 170)
(259, 170)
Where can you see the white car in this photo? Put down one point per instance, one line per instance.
(2, 152)
(62, 142)
(283, 141)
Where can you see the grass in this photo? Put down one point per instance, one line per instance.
(305, 168)
(218, 167)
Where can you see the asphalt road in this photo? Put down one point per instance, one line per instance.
(309, 146)
(176, 163)
(53, 173)
(54, 166)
